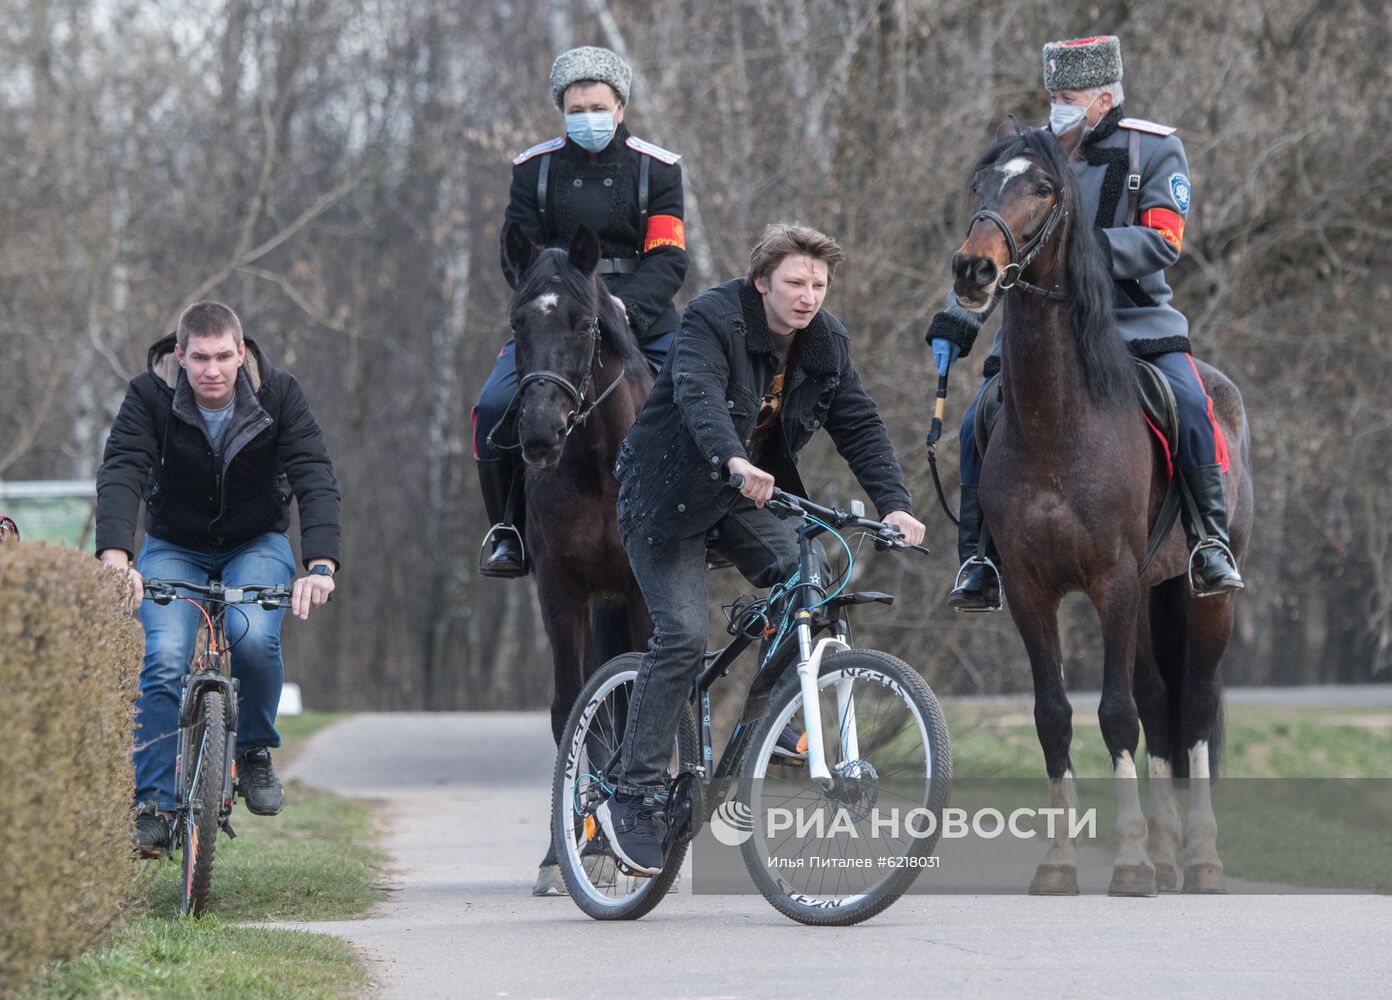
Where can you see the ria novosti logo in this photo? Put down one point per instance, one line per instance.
(732, 823)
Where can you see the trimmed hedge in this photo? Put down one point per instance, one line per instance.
(69, 662)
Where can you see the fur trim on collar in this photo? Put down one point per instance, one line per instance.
(1105, 127)
(814, 348)
(165, 367)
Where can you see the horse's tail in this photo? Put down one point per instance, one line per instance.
(609, 630)
(1171, 624)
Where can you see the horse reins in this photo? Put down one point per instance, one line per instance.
(582, 408)
(1010, 278)
(1011, 275)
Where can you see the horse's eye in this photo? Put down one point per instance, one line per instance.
(1043, 191)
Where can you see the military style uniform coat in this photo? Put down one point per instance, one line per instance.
(630, 193)
(1139, 246)
(705, 403)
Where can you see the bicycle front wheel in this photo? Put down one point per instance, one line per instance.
(201, 775)
(838, 855)
(589, 745)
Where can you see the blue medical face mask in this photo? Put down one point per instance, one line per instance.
(591, 130)
(1063, 117)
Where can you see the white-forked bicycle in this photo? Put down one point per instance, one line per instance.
(843, 757)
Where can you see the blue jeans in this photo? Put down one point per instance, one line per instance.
(253, 636)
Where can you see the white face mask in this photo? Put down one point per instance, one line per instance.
(1064, 117)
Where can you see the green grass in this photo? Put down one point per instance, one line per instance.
(156, 957)
(1261, 741)
(1306, 795)
(315, 861)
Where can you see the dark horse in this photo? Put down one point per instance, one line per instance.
(1072, 482)
(581, 382)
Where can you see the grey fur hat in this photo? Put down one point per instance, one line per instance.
(1082, 63)
(589, 62)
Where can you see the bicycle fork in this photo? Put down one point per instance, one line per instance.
(808, 668)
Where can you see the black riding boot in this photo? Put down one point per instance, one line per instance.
(1212, 566)
(978, 585)
(498, 478)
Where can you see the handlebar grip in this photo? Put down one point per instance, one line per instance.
(736, 481)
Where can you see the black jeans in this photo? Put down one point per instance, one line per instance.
(672, 577)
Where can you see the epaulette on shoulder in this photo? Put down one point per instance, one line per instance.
(656, 152)
(549, 146)
(1141, 125)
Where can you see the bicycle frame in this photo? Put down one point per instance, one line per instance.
(211, 670)
(807, 598)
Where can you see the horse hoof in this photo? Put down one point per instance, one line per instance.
(1166, 877)
(1204, 877)
(1055, 880)
(1132, 880)
(549, 882)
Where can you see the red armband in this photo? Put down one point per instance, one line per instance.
(664, 231)
(1168, 224)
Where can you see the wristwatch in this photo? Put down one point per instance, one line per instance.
(323, 569)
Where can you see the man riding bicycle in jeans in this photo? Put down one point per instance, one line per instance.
(215, 441)
(756, 369)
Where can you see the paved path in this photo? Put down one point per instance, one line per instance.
(466, 800)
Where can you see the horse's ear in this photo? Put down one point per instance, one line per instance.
(1008, 128)
(518, 249)
(584, 250)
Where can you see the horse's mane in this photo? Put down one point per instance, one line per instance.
(1108, 371)
(552, 266)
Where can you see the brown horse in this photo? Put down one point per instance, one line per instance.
(1072, 482)
(581, 382)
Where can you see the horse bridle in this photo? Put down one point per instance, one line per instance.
(580, 407)
(1022, 258)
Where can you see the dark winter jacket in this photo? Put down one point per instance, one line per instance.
(600, 190)
(703, 407)
(159, 451)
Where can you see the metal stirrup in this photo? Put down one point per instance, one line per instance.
(980, 560)
(500, 529)
(1211, 543)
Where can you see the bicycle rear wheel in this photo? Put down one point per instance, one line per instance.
(841, 855)
(591, 739)
(201, 776)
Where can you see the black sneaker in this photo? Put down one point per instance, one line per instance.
(154, 834)
(791, 748)
(634, 828)
(257, 781)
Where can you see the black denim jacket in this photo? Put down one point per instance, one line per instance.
(701, 413)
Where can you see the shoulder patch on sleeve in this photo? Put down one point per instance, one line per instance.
(1141, 125)
(1179, 190)
(656, 152)
(549, 146)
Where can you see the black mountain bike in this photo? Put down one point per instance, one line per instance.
(827, 731)
(205, 769)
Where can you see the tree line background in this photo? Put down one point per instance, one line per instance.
(336, 170)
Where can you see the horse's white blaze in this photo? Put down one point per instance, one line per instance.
(545, 303)
(1198, 761)
(1012, 168)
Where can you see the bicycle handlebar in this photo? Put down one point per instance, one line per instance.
(785, 504)
(269, 596)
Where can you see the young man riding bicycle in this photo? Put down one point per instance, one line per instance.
(215, 440)
(756, 369)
